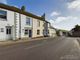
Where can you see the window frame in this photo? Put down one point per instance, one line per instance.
(38, 23)
(26, 32)
(28, 21)
(5, 15)
(38, 32)
(2, 30)
(8, 31)
(48, 32)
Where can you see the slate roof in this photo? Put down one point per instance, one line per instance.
(15, 9)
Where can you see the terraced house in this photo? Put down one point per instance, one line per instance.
(16, 23)
(51, 31)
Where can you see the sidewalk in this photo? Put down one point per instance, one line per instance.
(11, 42)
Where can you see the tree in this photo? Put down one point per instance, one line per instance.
(77, 28)
(23, 8)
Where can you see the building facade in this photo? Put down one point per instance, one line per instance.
(38, 27)
(45, 28)
(6, 24)
(17, 24)
(51, 31)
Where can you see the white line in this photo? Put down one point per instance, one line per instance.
(34, 46)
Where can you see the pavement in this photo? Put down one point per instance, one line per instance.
(60, 48)
(13, 42)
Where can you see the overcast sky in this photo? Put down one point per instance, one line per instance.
(63, 14)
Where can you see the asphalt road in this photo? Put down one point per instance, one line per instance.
(61, 48)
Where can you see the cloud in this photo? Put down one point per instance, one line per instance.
(51, 21)
(67, 18)
(59, 19)
(65, 22)
(3, 1)
(74, 5)
(54, 14)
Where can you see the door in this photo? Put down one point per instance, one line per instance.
(8, 32)
(30, 33)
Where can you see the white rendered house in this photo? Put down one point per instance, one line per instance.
(15, 24)
(51, 31)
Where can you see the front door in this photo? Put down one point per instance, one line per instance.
(30, 33)
(8, 32)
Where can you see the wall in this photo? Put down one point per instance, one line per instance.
(52, 32)
(14, 20)
(35, 28)
(8, 22)
(24, 26)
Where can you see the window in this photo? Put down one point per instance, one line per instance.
(26, 32)
(28, 21)
(48, 31)
(8, 31)
(3, 14)
(48, 24)
(43, 31)
(38, 32)
(38, 23)
(2, 29)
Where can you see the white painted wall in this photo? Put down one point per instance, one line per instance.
(35, 28)
(11, 18)
(8, 22)
(52, 32)
(17, 24)
(24, 26)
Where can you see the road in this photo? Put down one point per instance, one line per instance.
(61, 48)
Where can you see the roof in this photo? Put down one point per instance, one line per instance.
(47, 21)
(15, 9)
(52, 27)
(63, 30)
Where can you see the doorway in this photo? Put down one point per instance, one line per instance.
(30, 33)
(8, 32)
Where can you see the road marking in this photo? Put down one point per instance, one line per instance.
(69, 57)
(38, 45)
(34, 46)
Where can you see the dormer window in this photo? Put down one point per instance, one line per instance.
(3, 14)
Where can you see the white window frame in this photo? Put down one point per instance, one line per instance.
(2, 29)
(28, 21)
(26, 32)
(38, 23)
(4, 19)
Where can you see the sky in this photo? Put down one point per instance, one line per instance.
(63, 14)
